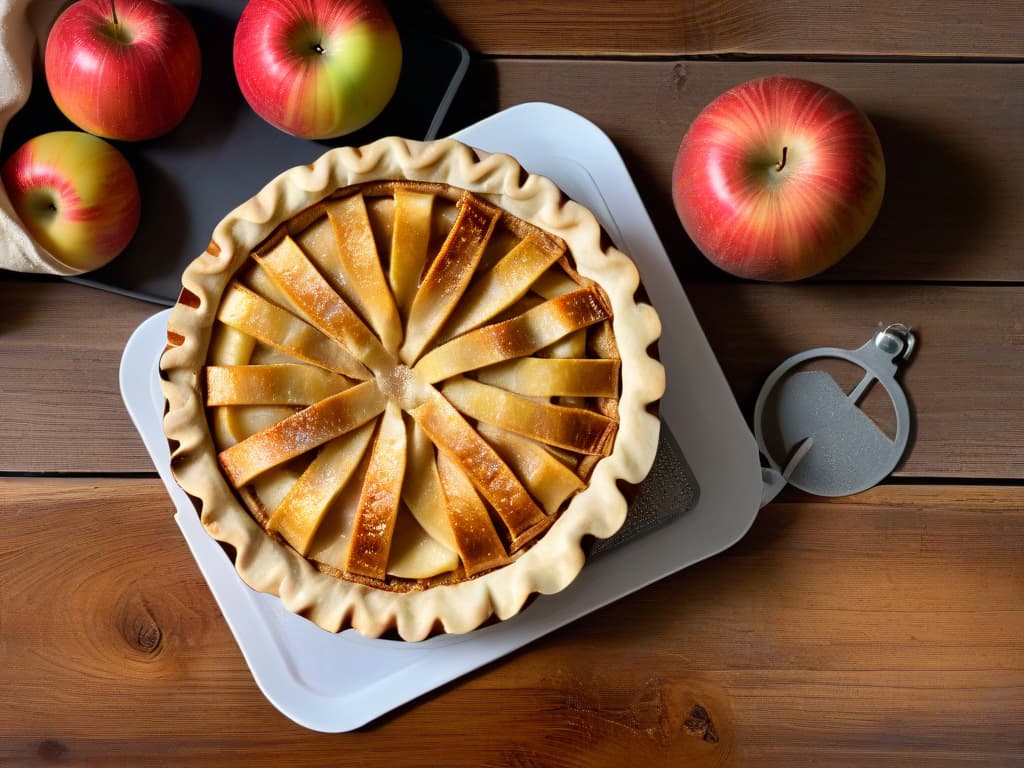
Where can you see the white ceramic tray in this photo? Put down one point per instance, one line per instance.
(333, 683)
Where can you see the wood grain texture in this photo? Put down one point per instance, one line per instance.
(666, 27)
(964, 382)
(885, 627)
(61, 347)
(954, 201)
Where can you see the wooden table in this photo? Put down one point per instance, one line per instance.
(886, 628)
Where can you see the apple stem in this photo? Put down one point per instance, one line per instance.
(113, 11)
(317, 48)
(782, 164)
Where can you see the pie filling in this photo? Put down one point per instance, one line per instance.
(408, 385)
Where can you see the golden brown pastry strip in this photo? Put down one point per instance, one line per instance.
(232, 424)
(281, 384)
(301, 432)
(410, 239)
(522, 335)
(477, 541)
(289, 267)
(555, 377)
(504, 284)
(251, 314)
(448, 276)
(298, 515)
(453, 435)
(576, 429)
(260, 283)
(547, 479)
(381, 495)
(361, 269)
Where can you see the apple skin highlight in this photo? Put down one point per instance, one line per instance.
(130, 79)
(317, 69)
(76, 195)
(778, 179)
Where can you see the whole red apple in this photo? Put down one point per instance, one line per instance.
(317, 68)
(778, 179)
(123, 69)
(75, 195)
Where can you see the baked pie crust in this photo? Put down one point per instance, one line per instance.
(404, 383)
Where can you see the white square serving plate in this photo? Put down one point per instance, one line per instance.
(338, 682)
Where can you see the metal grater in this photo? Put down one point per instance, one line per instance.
(669, 490)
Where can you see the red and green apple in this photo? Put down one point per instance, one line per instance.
(778, 179)
(317, 68)
(123, 69)
(76, 196)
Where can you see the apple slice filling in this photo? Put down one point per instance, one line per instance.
(408, 385)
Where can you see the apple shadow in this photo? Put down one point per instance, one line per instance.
(218, 102)
(937, 207)
(656, 192)
(39, 114)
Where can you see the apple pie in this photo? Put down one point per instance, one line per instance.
(405, 384)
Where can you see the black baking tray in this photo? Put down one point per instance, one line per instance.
(223, 152)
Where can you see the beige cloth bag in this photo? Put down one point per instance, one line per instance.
(23, 28)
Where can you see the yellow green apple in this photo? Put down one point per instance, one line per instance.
(76, 196)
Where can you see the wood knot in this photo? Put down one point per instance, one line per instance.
(679, 77)
(140, 629)
(699, 724)
(51, 749)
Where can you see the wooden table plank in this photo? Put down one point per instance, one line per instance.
(887, 626)
(964, 382)
(666, 27)
(61, 408)
(954, 204)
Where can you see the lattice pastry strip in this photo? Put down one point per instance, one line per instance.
(454, 436)
(410, 240)
(449, 275)
(361, 270)
(505, 283)
(477, 541)
(381, 495)
(279, 384)
(555, 377)
(293, 273)
(299, 514)
(547, 479)
(575, 429)
(511, 471)
(254, 316)
(519, 336)
(302, 432)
